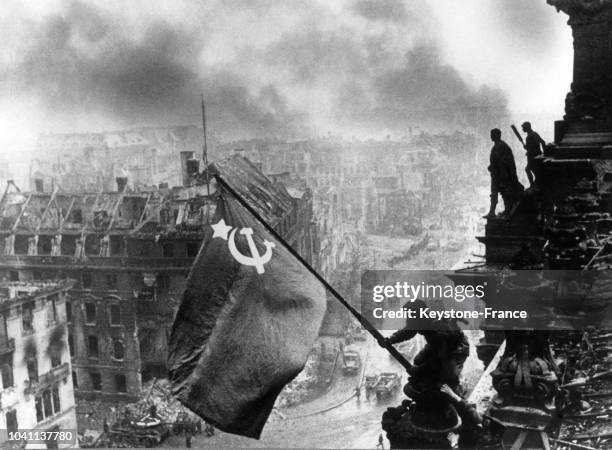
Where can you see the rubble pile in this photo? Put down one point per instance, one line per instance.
(578, 237)
(316, 375)
(587, 389)
(146, 423)
(300, 389)
(573, 234)
(159, 394)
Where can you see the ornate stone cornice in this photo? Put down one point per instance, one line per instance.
(580, 7)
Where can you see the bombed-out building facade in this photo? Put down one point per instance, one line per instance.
(386, 186)
(128, 253)
(35, 364)
(90, 162)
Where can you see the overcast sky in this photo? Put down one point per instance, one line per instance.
(351, 66)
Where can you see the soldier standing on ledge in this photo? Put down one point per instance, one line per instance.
(504, 180)
(533, 142)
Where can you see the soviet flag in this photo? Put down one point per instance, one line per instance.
(248, 319)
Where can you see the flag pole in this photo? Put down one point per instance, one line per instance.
(205, 154)
(205, 148)
(362, 320)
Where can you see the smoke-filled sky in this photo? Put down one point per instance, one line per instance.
(267, 67)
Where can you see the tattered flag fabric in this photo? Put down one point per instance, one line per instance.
(249, 317)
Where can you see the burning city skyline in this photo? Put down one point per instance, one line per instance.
(300, 69)
(170, 277)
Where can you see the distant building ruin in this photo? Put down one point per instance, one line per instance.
(35, 365)
(129, 253)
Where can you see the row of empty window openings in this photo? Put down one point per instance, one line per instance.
(96, 381)
(101, 218)
(109, 281)
(27, 316)
(46, 404)
(95, 377)
(91, 312)
(6, 368)
(95, 245)
(93, 349)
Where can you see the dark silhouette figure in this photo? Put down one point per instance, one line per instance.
(533, 145)
(504, 180)
(432, 415)
(441, 360)
(381, 443)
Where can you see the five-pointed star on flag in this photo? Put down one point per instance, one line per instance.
(221, 229)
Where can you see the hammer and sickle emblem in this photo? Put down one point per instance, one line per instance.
(256, 260)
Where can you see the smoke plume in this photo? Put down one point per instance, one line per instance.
(266, 68)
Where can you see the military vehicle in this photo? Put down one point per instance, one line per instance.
(146, 432)
(351, 361)
(389, 383)
(370, 383)
(185, 424)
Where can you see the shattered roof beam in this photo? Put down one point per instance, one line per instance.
(115, 211)
(93, 208)
(61, 227)
(142, 216)
(23, 208)
(143, 220)
(44, 214)
(6, 189)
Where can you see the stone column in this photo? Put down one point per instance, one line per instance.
(33, 245)
(590, 98)
(56, 245)
(9, 245)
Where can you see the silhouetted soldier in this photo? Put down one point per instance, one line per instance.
(533, 142)
(381, 443)
(504, 180)
(441, 360)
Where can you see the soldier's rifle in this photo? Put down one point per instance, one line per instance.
(518, 135)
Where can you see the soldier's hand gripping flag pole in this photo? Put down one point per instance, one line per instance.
(248, 319)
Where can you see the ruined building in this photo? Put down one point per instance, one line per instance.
(129, 253)
(35, 369)
(91, 161)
